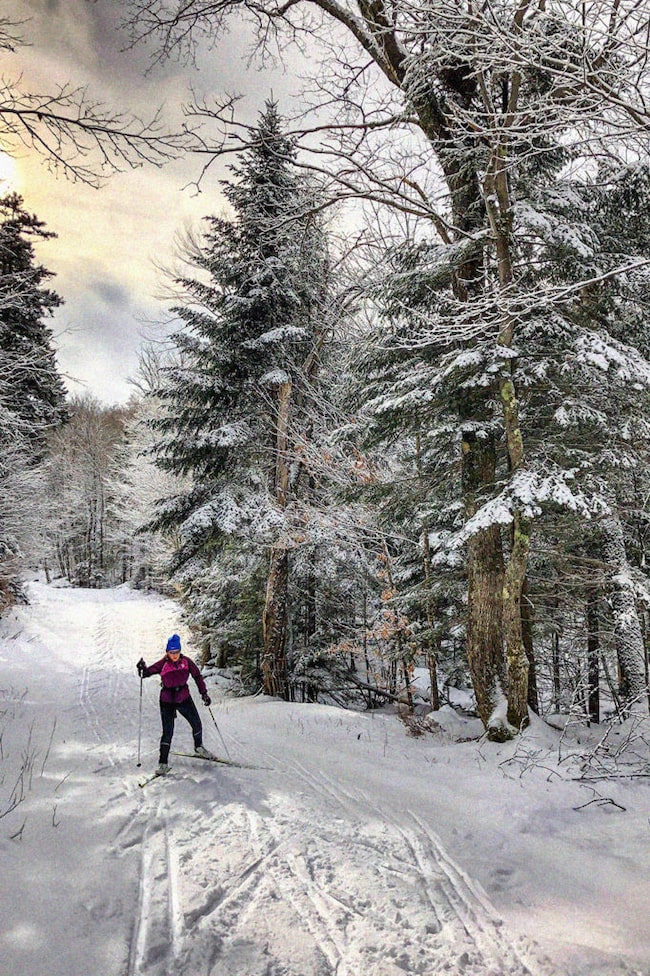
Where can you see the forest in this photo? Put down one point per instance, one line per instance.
(402, 420)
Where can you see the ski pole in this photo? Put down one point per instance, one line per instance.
(217, 728)
(140, 722)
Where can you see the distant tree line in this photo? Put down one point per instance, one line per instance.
(73, 488)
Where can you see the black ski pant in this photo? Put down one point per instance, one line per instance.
(168, 715)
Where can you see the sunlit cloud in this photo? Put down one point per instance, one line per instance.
(112, 243)
(8, 173)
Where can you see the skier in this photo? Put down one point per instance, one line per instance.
(174, 670)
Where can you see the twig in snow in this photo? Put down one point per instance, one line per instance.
(49, 746)
(62, 781)
(19, 833)
(601, 801)
(596, 778)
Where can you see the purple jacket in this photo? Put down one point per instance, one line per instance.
(174, 678)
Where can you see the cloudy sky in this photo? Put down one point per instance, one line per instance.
(113, 242)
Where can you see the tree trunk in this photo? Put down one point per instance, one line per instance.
(516, 657)
(527, 634)
(557, 685)
(485, 628)
(310, 602)
(485, 571)
(494, 598)
(274, 660)
(499, 210)
(628, 639)
(643, 617)
(101, 529)
(433, 643)
(485, 577)
(593, 656)
(90, 544)
(498, 207)
(275, 614)
(432, 664)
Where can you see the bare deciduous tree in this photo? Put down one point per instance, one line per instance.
(72, 131)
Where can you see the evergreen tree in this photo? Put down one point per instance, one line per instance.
(31, 390)
(32, 387)
(247, 356)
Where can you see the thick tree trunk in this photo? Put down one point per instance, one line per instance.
(498, 204)
(494, 598)
(527, 634)
(485, 570)
(593, 656)
(485, 628)
(485, 577)
(628, 639)
(516, 657)
(274, 621)
(275, 614)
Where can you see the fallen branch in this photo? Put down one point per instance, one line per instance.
(601, 800)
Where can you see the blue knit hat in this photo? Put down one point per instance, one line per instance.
(174, 643)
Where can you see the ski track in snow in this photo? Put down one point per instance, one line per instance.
(387, 903)
(158, 929)
(458, 909)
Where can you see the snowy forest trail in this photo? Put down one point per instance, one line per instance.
(328, 860)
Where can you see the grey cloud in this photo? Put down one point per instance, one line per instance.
(87, 36)
(108, 241)
(97, 346)
(110, 292)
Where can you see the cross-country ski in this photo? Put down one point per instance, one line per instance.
(150, 779)
(211, 759)
(219, 759)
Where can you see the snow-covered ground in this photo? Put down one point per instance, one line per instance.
(354, 849)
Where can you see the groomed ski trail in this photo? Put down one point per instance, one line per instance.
(310, 865)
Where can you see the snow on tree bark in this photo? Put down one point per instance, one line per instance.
(593, 655)
(628, 638)
(485, 580)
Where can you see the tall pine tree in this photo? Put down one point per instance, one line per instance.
(247, 358)
(32, 386)
(31, 390)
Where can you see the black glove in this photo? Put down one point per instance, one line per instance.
(142, 668)
(206, 699)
